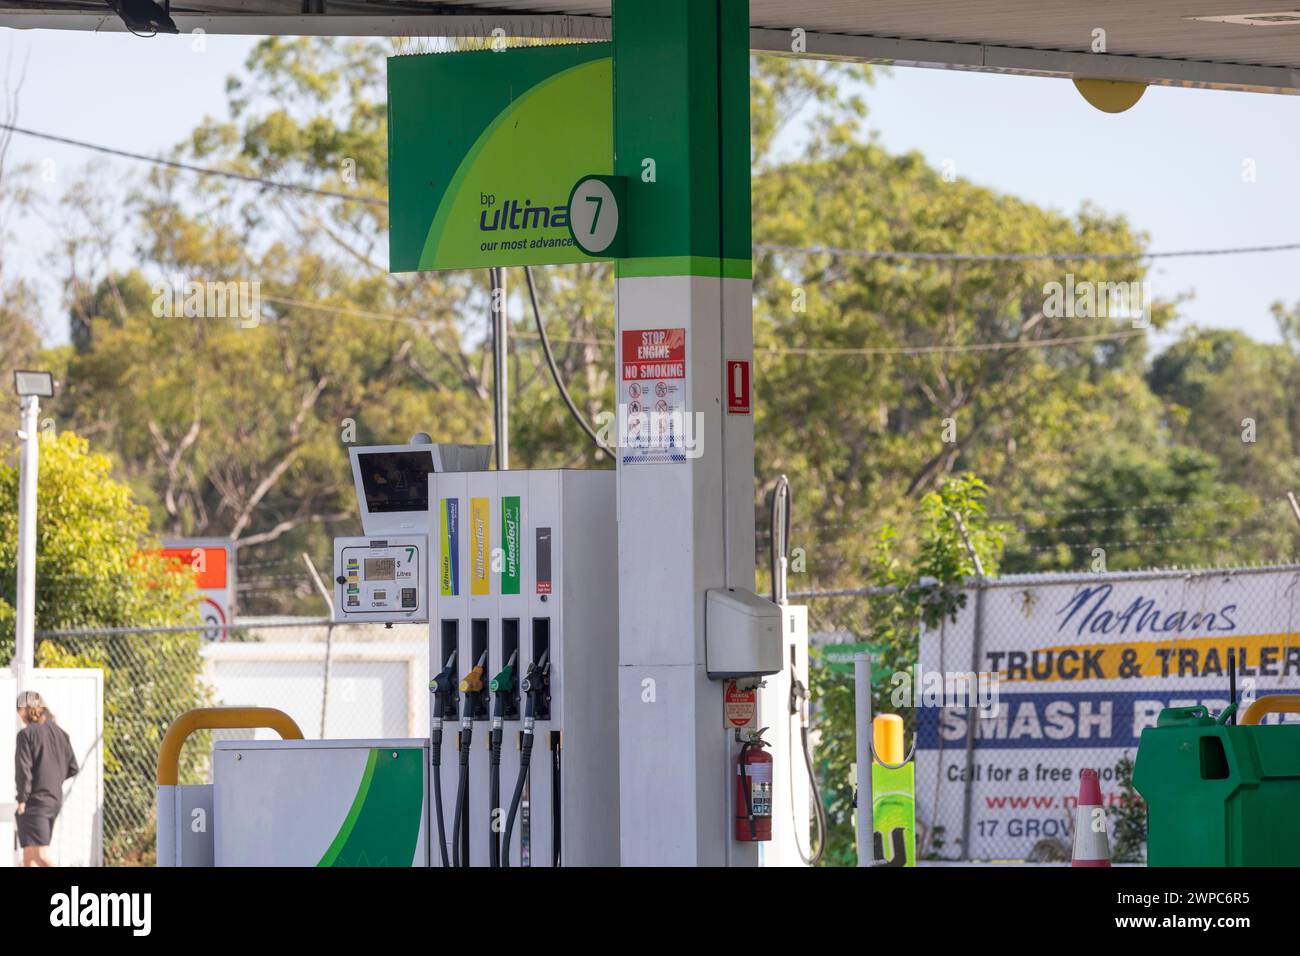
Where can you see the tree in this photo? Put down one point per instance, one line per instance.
(908, 594)
(97, 567)
(234, 427)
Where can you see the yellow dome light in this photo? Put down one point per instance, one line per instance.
(1110, 96)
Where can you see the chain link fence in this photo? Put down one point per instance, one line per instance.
(1041, 676)
(337, 681)
(1067, 670)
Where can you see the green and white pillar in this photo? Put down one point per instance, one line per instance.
(686, 506)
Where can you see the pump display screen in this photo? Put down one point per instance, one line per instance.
(380, 569)
(396, 481)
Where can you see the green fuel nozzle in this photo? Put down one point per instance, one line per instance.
(504, 682)
(502, 687)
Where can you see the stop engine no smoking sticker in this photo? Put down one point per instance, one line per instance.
(652, 396)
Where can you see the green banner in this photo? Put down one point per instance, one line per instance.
(484, 148)
(510, 572)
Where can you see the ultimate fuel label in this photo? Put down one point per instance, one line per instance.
(449, 566)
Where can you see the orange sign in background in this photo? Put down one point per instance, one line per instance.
(209, 565)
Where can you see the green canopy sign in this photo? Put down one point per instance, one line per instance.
(484, 149)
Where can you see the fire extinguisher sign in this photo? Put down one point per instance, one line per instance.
(738, 388)
(740, 707)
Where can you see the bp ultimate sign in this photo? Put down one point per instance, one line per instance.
(1083, 665)
(484, 149)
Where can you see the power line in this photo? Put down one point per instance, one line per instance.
(946, 349)
(1017, 256)
(191, 168)
(410, 320)
(769, 350)
(881, 254)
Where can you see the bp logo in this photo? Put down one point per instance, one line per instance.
(510, 545)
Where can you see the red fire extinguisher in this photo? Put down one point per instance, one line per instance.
(754, 792)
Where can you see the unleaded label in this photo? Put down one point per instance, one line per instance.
(480, 569)
(510, 571)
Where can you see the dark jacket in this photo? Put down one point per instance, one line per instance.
(44, 759)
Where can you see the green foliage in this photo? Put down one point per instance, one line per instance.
(95, 569)
(223, 427)
(1150, 509)
(1129, 816)
(909, 594)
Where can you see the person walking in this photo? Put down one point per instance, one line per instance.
(43, 760)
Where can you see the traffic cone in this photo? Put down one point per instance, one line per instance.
(1091, 848)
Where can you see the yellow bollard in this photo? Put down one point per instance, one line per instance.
(887, 733)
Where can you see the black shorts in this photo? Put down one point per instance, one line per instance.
(34, 830)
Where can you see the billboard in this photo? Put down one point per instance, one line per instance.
(484, 149)
(1083, 665)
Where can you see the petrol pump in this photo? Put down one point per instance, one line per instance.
(523, 592)
(298, 802)
(783, 708)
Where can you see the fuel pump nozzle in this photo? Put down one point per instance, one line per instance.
(472, 683)
(471, 686)
(442, 687)
(536, 686)
(502, 686)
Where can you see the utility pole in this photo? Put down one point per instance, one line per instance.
(501, 371)
(977, 651)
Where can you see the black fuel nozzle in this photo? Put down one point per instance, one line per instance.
(798, 699)
(536, 686)
(443, 684)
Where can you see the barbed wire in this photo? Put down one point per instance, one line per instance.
(1143, 541)
(1172, 505)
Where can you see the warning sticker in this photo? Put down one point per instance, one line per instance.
(740, 707)
(652, 396)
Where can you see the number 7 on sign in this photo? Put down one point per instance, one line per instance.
(592, 230)
(599, 201)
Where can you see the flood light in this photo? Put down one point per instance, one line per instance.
(40, 384)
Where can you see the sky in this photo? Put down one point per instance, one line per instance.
(1174, 164)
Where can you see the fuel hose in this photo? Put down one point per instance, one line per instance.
(501, 686)
(471, 686)
(442, 688)
(533, 686)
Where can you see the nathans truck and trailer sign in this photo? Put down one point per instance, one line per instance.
(1083, 665)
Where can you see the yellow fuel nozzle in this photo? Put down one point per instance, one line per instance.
(472, 683)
